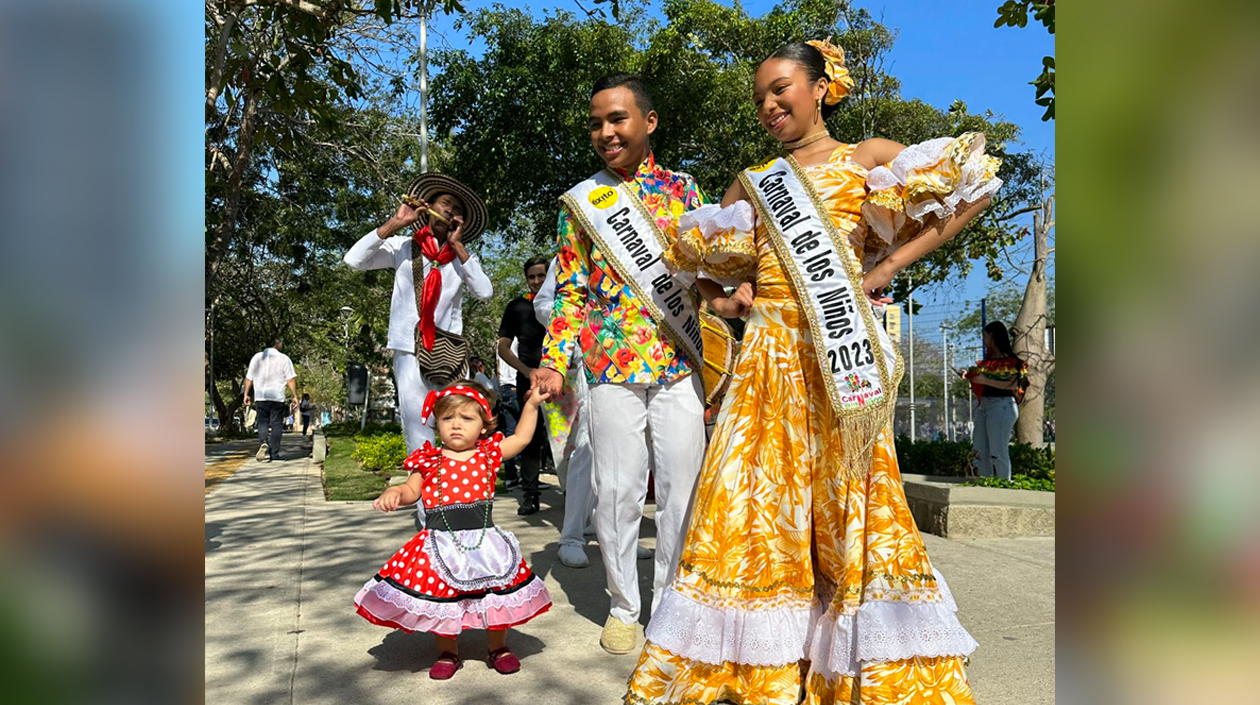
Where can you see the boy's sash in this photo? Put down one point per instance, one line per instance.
(827, 280)
(623, 229)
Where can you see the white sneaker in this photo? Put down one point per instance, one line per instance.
(262, 452)
(573, 556)
(644, 553)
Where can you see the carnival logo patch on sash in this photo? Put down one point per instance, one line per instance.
(826, 283)
(632, 243)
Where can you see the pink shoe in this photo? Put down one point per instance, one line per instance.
(504, 661)
(445, 667)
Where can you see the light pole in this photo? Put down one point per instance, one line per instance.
(953, 435)
(910, 308)
(346, 312)
(210, 389)
(945, 375)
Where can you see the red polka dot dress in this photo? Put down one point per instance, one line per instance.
(461, 571)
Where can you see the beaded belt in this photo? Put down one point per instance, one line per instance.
(459, 517)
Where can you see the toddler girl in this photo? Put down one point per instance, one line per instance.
(461, 571)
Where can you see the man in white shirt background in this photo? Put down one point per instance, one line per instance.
(270, 371)
(458, 216)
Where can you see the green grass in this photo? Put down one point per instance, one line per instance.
(344, 477)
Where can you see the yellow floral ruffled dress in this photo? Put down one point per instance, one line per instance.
(792, 575)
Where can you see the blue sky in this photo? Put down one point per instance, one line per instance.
(945, 51)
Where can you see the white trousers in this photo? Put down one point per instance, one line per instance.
(620, 416)
(574, 470)
(412, 389)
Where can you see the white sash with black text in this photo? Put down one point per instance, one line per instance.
(827, 280)
(631, 241)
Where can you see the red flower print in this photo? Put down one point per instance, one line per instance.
(625, 357)
(597, 363)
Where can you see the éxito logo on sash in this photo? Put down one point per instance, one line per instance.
(603, 197)
(763, 167)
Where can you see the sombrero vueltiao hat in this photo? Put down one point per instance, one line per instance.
(429, 186)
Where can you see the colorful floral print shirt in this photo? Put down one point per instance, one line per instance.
(598, 313)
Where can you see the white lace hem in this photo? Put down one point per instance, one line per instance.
(712, 219)
(694, 631)
(885, 631)
(835, 643)
(453, 610)
(888, 631)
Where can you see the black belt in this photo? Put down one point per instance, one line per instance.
(459, 517)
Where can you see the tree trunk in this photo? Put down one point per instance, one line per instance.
(224, 409)
(232, 200)
(1029, 332)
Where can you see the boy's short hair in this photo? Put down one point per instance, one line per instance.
(631, 81)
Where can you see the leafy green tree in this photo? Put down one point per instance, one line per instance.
(514, 119)
(501, 257)
(1014, 13)
(273, 67)
(1002, 303)
(323, 382)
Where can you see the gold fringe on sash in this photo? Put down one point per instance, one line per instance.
(858, 434)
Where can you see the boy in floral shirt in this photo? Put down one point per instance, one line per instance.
(641, 380)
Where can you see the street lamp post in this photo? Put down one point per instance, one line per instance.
(945, 376)
(210, 390)
(346, 312)
(910, 308)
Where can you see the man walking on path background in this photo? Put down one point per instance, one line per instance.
(269, 372)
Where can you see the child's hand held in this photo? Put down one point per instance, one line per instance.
(537, 397)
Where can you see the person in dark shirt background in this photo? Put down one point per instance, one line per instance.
(520, 324)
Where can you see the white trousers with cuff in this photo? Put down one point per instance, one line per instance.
(620, 416)
(412, 389)
(574, 471)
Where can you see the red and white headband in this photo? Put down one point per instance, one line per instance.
(426, 412)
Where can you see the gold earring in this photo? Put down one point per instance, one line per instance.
(818, 111)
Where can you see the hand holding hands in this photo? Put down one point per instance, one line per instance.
(546, 380)
(536, 397)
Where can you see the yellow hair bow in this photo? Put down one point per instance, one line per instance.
(838, 80)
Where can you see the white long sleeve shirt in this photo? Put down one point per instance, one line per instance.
(270, 372)
(371, 252)
(545, 299)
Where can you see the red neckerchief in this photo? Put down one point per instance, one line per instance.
(528, 296)
(432, 282)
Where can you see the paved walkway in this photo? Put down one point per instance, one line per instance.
(283, 565)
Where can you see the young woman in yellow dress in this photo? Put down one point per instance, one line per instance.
(803, 574)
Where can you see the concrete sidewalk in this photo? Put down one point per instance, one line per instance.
(283, 565)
